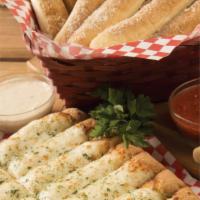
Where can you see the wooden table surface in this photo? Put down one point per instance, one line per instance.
(11, 45)
(13, 57)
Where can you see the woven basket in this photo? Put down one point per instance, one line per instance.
(75, 79)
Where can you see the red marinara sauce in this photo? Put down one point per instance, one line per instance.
(185, 109)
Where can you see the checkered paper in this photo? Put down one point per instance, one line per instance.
(41, 45)
(159, 152)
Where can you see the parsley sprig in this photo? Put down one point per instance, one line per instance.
(123, 114)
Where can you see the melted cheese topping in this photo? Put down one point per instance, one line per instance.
(13, 191)
(115, 184)
(86, 175)
(68, 167)
(38, 132)
(10, 189)
(58, 145)
(141, 194)
(4, 177)
(82, 155)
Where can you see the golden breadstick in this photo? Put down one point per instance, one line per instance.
(82, 9)
(51, 15)
(166, 183)
(150, 19)
(184, 23)
(108, 14)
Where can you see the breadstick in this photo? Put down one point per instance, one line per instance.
(38, 178)
(51, 15)
(143, 24)
(184, 23)
(87, 175)
(82, 9)
(184, 194)
(164, 185)
(131, 175)
(52, 148)
(70, 4)
(141, 194)
(196, 154)
(108, 14)
(36, 133)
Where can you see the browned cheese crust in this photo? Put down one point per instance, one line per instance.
(145, 162)
(166, 183)
(185, 194)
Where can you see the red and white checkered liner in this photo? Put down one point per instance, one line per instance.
(158, 151)
(39, 44)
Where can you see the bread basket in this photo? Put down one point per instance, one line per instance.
(153, 67)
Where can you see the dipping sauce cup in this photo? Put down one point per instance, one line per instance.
(184, 105)
(23, 98)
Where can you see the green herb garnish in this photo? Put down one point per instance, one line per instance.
(123, 114)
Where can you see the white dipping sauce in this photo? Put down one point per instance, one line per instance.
(23, 99)
(20, 96)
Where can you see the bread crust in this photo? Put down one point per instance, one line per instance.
(166, 183)
(82, 9)
(109, 13)
(51, 15)
(75, 114)
(145, 162)
(184, 23)
(148, 20)
(127, 152)
(184, 194)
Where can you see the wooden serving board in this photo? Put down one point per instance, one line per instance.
(11, 41)
(13, 57)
